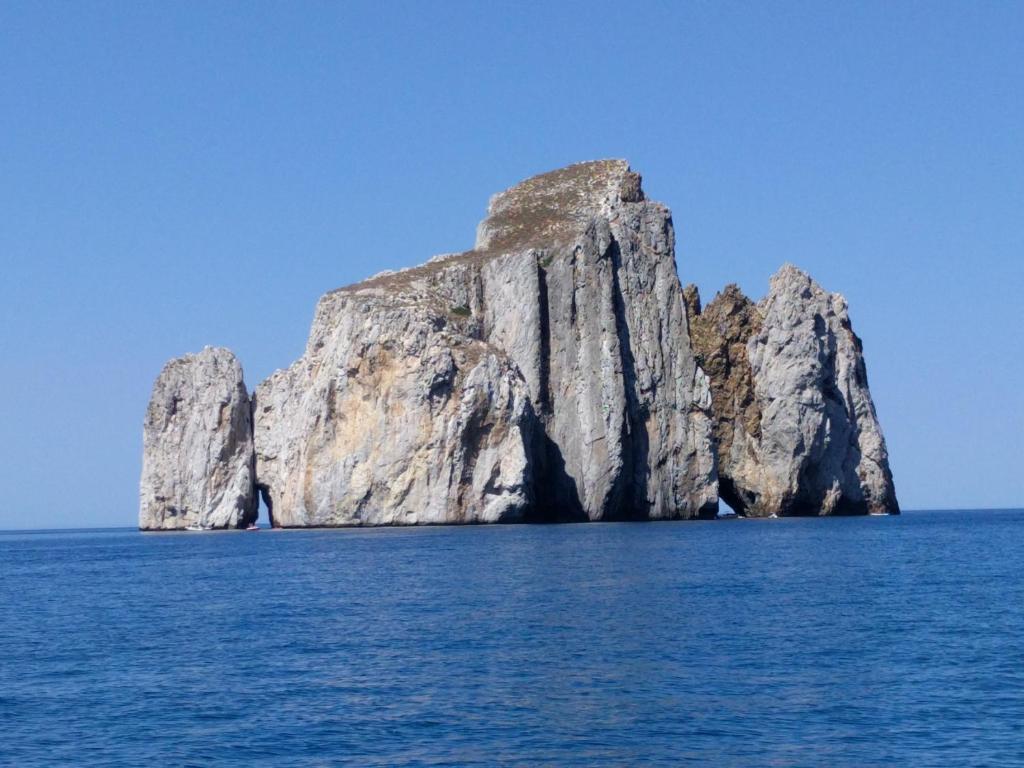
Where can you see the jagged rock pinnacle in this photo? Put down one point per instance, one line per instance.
(795, 426)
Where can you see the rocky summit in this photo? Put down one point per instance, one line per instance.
(551, 373)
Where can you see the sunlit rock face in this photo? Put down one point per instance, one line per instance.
(394, 416)
(197, 462)
(796, 429)
(544, 375)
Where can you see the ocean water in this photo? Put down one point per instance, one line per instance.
(794, 642)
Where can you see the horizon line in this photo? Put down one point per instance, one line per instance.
(98, 528)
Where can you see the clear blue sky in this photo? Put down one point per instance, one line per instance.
(181, 174)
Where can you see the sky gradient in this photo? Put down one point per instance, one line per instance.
(175, 175)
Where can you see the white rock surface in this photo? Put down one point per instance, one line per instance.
(197, 463)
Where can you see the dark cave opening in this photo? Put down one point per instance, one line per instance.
(730, 495)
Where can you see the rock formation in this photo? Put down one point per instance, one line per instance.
(394, 415)
(546, 374)
(197, 466)
(795, 430)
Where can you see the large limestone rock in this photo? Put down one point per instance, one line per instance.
(796, 429)
(197, 463)
(545, 374)
(394, 415)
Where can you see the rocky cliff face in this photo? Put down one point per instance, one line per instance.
(546, 374)
(394, 415)
(197, 466)
(796, 429)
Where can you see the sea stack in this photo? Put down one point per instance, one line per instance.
(197, 461)
(795, 427)
(555, 372)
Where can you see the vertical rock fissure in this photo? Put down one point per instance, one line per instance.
(544, 372)
(556, 497)
(630, 493)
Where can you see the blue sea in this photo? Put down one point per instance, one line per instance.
(795, 642)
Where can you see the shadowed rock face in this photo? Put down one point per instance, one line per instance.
(795, 428)
(197, 465)
(544, 375)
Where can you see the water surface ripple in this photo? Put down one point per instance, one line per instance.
(838, 642)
